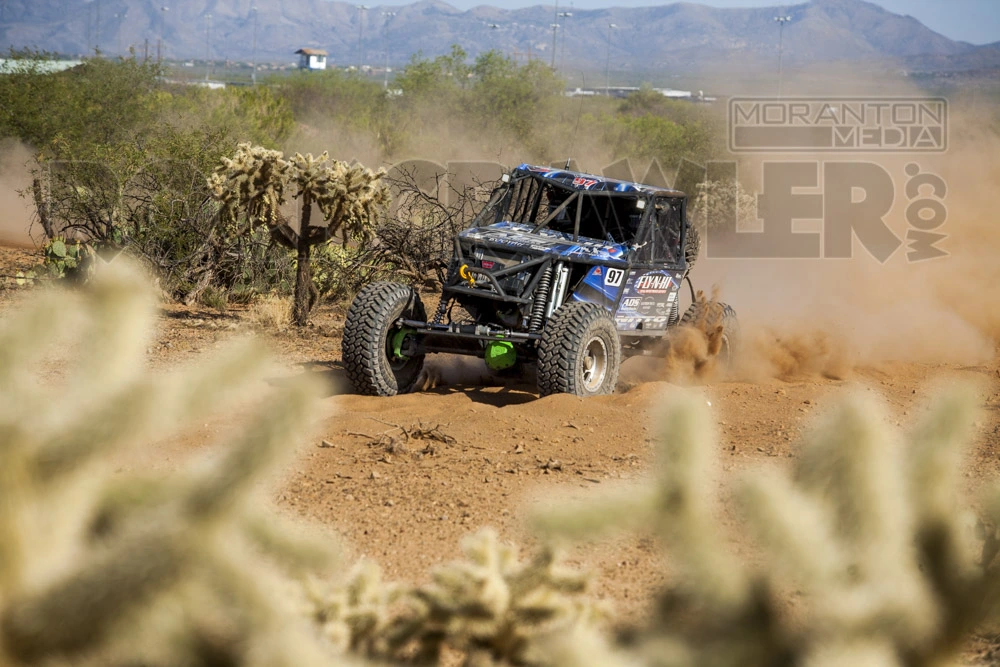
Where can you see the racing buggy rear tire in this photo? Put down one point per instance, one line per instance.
(709, 316)
(692, 245)
(370, 340)
(579, 352)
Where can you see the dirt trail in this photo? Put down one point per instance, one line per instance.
(481, 455)
(490, 453)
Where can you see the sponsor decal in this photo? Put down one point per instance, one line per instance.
(631, 303)
(584, 182)
(654, 283)
(487, 264)
(655, 322)
(614, 277)
(597, 271)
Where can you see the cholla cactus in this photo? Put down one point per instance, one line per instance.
(868, 530)
(355, 616)
(106, 566)
(349, 197)
(254, 180)
(491, 607)
(494, 608)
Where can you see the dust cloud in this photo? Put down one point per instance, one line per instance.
(799, 317)
(15, 211)
(824, 316)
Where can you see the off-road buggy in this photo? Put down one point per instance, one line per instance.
(568, 271)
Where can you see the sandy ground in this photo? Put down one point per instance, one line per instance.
(402, 479)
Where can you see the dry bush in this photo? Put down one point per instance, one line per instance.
(271, 312)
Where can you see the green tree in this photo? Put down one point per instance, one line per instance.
(98, 101)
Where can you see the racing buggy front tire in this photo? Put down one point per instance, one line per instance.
(718, 321)
(579, 352)
(372, 340)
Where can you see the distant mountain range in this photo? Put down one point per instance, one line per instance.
(672, 37)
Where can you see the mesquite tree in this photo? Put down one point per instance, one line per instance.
(349, 197)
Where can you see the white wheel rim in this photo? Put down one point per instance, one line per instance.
(595, 364)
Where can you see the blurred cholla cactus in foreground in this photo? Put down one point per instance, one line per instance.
(866, 530)
(102, 566)
(349, 197)
(491, 608)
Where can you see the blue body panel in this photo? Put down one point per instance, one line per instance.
(592, 182)
(518, 236)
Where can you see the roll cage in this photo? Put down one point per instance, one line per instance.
(584, 206)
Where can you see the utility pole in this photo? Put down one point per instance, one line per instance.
(361, 32)
(607, 62)
(208, 45)
(781, 21)
(385, 38)
(253, 73)
(97, 27)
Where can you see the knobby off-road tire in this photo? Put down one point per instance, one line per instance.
(692, 245)
(707, 316)
(367, 346)
(579, 352)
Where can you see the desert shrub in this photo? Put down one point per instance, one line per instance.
(341, 270)
(344, 96)
(650, 135)
(148, 197)
(256, 114)
(494, 93)
(713, 204)
(98, 101)
(271, 312)
(121, 162)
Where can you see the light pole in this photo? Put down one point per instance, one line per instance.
(208, 45)
(253, 73)
(555, 29)
(161, 47)
(562, 56)
(120, 17)
(385, 38)
(781, 21)
(361, 31)
(607, 62)
(493, 28)
(97, 28)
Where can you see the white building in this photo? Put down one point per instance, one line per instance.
(312, 59)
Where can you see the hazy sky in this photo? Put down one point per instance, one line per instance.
(975, 21)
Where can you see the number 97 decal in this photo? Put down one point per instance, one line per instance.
(613, 277)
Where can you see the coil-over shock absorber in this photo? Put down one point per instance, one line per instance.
(541, 301)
